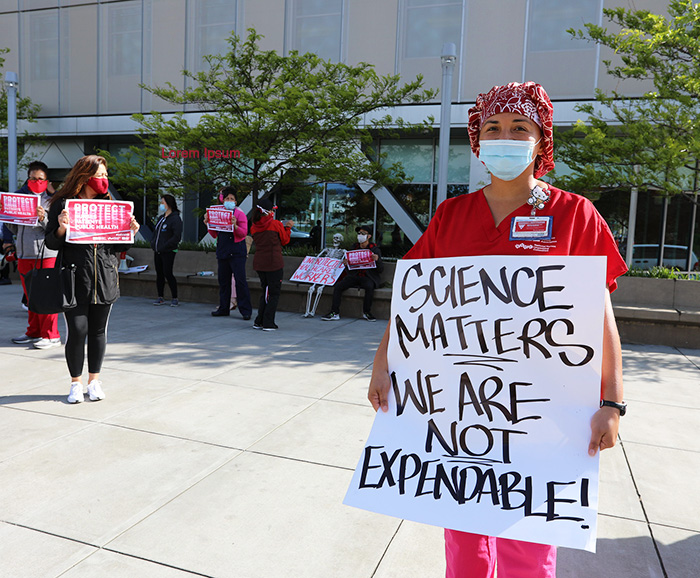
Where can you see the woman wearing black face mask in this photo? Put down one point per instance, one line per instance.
(96, 279)
(164, 244)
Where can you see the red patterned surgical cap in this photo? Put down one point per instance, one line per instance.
(528, 99)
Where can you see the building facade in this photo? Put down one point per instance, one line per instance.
(85, 63)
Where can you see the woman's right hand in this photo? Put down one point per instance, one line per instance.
(206, 219)
(63, 222)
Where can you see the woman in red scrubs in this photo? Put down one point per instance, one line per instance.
(510, 131)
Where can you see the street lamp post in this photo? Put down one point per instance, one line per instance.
(448, 59)
(11, 84)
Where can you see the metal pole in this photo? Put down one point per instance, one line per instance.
(324, 200)
(631, 225)
(375, 224)
(662, 240)
(11, 83)
(448, 59)
(632, 221)
(694, 213)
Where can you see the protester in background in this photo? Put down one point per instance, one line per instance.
(231, 255)
(269, 236)
(315, 234)
(96, 276)
(510, 131)
(42, 330)
(164, 244)
(9, 255)
(367, 279)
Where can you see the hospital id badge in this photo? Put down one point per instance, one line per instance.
(531, 228)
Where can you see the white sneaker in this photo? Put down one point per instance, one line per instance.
(95, 392)
(46, 343)
(76, 393)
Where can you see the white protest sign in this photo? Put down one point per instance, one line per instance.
(495, 365)
(319, 270)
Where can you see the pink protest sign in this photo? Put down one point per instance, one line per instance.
(360, 259)
(93, 221)
(219, 219)
(319, 270)
(18, 209)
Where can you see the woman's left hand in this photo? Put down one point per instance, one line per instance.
(40, 212)
(134, 226)
(604, 425)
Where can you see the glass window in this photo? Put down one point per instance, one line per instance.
(124, 39)
(428, 24)
(39, 75)
(317, 27)
(36, 4)
(457, 162)
(122, 55)
(79, 60)
(550, 19)
(416, 156)
(417, 199)
(214, 22)
(43, 47)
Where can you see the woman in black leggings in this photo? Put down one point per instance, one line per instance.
(164, 243)
(96, 276)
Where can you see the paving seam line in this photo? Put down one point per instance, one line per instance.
(644, 511)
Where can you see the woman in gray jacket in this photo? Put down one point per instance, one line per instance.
(42, 330)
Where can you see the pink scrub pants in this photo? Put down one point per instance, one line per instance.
(475, 556)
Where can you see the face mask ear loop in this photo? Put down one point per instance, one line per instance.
(534, 156)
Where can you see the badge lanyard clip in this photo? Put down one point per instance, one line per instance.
(539, 197)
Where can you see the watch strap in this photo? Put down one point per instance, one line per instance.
(620, 406)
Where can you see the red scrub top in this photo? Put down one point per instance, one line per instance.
(463, 226)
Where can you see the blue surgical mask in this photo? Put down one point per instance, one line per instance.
(230, 205)
(161, 209)
(506, 159)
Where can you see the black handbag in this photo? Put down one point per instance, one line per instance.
(50, 290)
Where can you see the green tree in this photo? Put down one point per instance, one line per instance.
(651, 141)
(26, 110)
(293, 118)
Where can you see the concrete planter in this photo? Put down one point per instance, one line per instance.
(206, 289)
(658, 311)
(651, 311)
(660, 293)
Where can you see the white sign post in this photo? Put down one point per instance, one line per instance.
(495, 365)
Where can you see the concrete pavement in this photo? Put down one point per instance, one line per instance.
(224, 451)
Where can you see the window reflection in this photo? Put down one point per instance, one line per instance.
(214, 22)
(550, 19)
(124, 29)
(430, 23)
(317, 27)
(43, 45)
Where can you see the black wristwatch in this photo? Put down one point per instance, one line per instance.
(621, 406)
